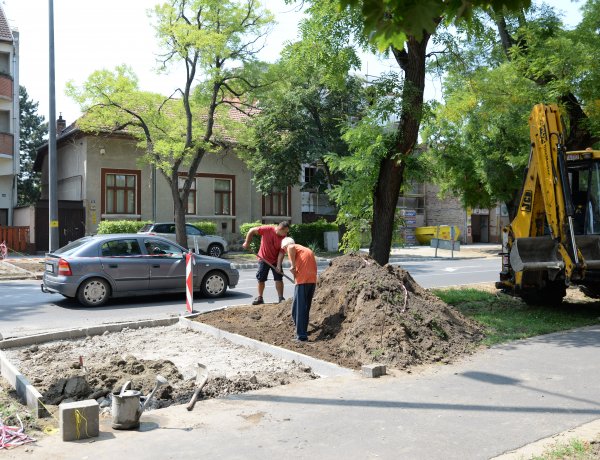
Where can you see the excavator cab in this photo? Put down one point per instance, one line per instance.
(584, 177)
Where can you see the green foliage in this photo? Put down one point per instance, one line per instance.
(306, 107)
(369, 141)
(312, 235)
(121, 226)
(210, 228)
(33, 129)
(255, 243)
(391, 22)
(478, 138)
(217, 42)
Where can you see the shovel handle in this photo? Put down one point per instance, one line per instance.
(192, 402)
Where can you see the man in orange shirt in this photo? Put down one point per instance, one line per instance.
(304, 269)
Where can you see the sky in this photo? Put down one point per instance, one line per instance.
(93, 35)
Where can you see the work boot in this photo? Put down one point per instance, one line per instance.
(258, 301)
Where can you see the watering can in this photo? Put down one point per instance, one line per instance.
(127, 405)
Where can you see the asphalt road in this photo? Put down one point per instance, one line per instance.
(25, 310)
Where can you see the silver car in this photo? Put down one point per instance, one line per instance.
(213, 245)
(94, 268)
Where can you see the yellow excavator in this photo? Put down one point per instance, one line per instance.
(554, 239)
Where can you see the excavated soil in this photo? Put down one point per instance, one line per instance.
(139, 356)
(362, 313)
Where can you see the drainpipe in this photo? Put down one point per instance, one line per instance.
(16, 126)
(153, 193)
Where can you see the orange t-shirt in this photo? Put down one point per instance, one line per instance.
(306, 265)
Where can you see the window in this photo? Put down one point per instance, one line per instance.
(120, 248)
(223, 197)
(276, 204)
(191, 230)
(309, 174)
(191, 202)
(120, 193)
(162, 249)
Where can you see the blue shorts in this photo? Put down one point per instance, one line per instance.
(263, 272)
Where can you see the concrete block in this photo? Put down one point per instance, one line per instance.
(79, 420)
(25, 390)
(373, 370)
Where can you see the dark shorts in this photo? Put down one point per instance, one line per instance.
(263, 272)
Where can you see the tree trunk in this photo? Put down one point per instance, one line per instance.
(391, 169)
(179, 213)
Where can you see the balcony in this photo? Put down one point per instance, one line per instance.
(6, 87)
(6, 144)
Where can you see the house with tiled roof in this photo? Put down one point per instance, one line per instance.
(9, 119)
(101, 176)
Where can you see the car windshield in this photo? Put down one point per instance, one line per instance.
(72, 247)
(145, 228)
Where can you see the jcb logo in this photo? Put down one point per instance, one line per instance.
(527, 200)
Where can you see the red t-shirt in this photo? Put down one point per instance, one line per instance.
(270, 244)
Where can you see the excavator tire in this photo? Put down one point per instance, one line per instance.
(592, 291)
(552, 295)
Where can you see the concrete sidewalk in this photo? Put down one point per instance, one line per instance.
(490, 403)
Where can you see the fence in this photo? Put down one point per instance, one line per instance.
(17, 238)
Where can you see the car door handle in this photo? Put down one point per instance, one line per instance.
(156, 266)
(113, 266)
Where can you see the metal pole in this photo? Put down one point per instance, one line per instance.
(52, 161)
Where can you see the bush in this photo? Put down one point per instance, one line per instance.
(121, 226)
(210, 228)
(311, 235)
(255, 243)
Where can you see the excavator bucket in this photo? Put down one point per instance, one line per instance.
(589, 245)
(535, 254)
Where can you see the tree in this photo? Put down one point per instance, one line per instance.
(303, 112)
(216, 41)
(33, 129)
(404, 28)
(494, 75)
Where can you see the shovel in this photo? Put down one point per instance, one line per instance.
(201, 378)
(275, 268)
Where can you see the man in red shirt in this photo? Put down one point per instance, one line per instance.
(304, 269)
(270, 247)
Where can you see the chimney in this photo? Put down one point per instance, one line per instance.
(61, 124)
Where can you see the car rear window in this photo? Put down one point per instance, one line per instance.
(164, 228)
(72, 247)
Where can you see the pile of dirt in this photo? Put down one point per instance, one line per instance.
(112, 359)
(362, 313)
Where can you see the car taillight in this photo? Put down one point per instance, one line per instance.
(64, 268)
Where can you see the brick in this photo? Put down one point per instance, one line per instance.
(373, 370)
(79, 420)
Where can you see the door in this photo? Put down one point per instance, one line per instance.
(167, 267)
(195, 239)
(122, 260)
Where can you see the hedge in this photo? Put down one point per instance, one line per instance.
(309, 235)
(121, 226)
(210, 228)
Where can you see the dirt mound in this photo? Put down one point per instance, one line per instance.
(363, 313)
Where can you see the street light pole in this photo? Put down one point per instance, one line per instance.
(52, 161)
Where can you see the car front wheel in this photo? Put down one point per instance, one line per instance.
(214, 284)
(215, 250)
(93, 292)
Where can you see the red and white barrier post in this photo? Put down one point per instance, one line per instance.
(189, 282)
